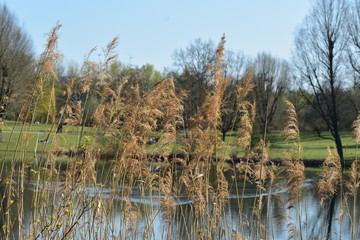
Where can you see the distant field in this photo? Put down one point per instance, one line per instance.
(30, 141)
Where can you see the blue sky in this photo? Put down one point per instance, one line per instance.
(150, 31)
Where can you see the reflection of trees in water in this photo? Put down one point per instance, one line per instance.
(317, 220)
(189, 224)
(186, 223)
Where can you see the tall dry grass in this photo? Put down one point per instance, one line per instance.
(15, 181)
(295, 172)
(352, 185)
(332, 176)
(81, 198)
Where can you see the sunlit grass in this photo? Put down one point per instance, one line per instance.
(313, 146)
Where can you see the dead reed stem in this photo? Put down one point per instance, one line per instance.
(295, 169)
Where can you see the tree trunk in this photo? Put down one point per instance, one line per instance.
(223, 135)
(339, 148)
(331, 215)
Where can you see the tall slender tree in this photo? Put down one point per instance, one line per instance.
(319, 59)
(271, 78)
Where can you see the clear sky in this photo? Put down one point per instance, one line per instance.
(150, 31)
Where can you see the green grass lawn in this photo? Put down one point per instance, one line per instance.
(313, 146)
(29, 141)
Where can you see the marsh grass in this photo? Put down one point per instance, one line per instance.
(295, 172)
(123, 197)
(353, 184)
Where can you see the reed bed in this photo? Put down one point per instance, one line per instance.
(127, 197)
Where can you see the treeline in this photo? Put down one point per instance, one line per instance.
(273, 79)
(322, 80)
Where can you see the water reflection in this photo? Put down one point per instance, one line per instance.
(237, 218)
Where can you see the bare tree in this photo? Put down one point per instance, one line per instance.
(319, 60)
(353, 27)
(15, 59)
(235, 67)
(192, 74)
(270, 78)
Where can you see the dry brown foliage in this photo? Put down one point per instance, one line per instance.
(246, 125)
(197, 188)
(295, 169)
(245, 88)
(295, 175)
(167, 188)
(291, 129)
(354, 183)
(110, 110)
(82, 83)
(247, 111)
(204, 135)
(45, 72)
(356, 132)
(159, 109)
(332, 176)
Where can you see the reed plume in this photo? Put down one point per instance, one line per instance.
(332, 176)
(244, 170)
(159, 109)
(291, 130)
(260, 172)
(260, 153)
(46, 70)
(352, 186)
(128, 123)
(168, 203)
(295, 170)
(356, 131)
(246, 125)
(295, 175)
(16, 185)
(204, 133)
(245, 88)
(204, 144)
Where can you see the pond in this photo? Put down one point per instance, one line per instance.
(102, 211)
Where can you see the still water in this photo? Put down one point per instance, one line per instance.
(152, 223)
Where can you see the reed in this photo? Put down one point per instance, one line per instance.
(332, 176)
(15, 180)
(188, 196)
(243, 170)
(295, 171)
(352, 185)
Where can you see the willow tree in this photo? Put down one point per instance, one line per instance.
(15, 59)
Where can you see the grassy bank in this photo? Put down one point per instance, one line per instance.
(32, 139)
